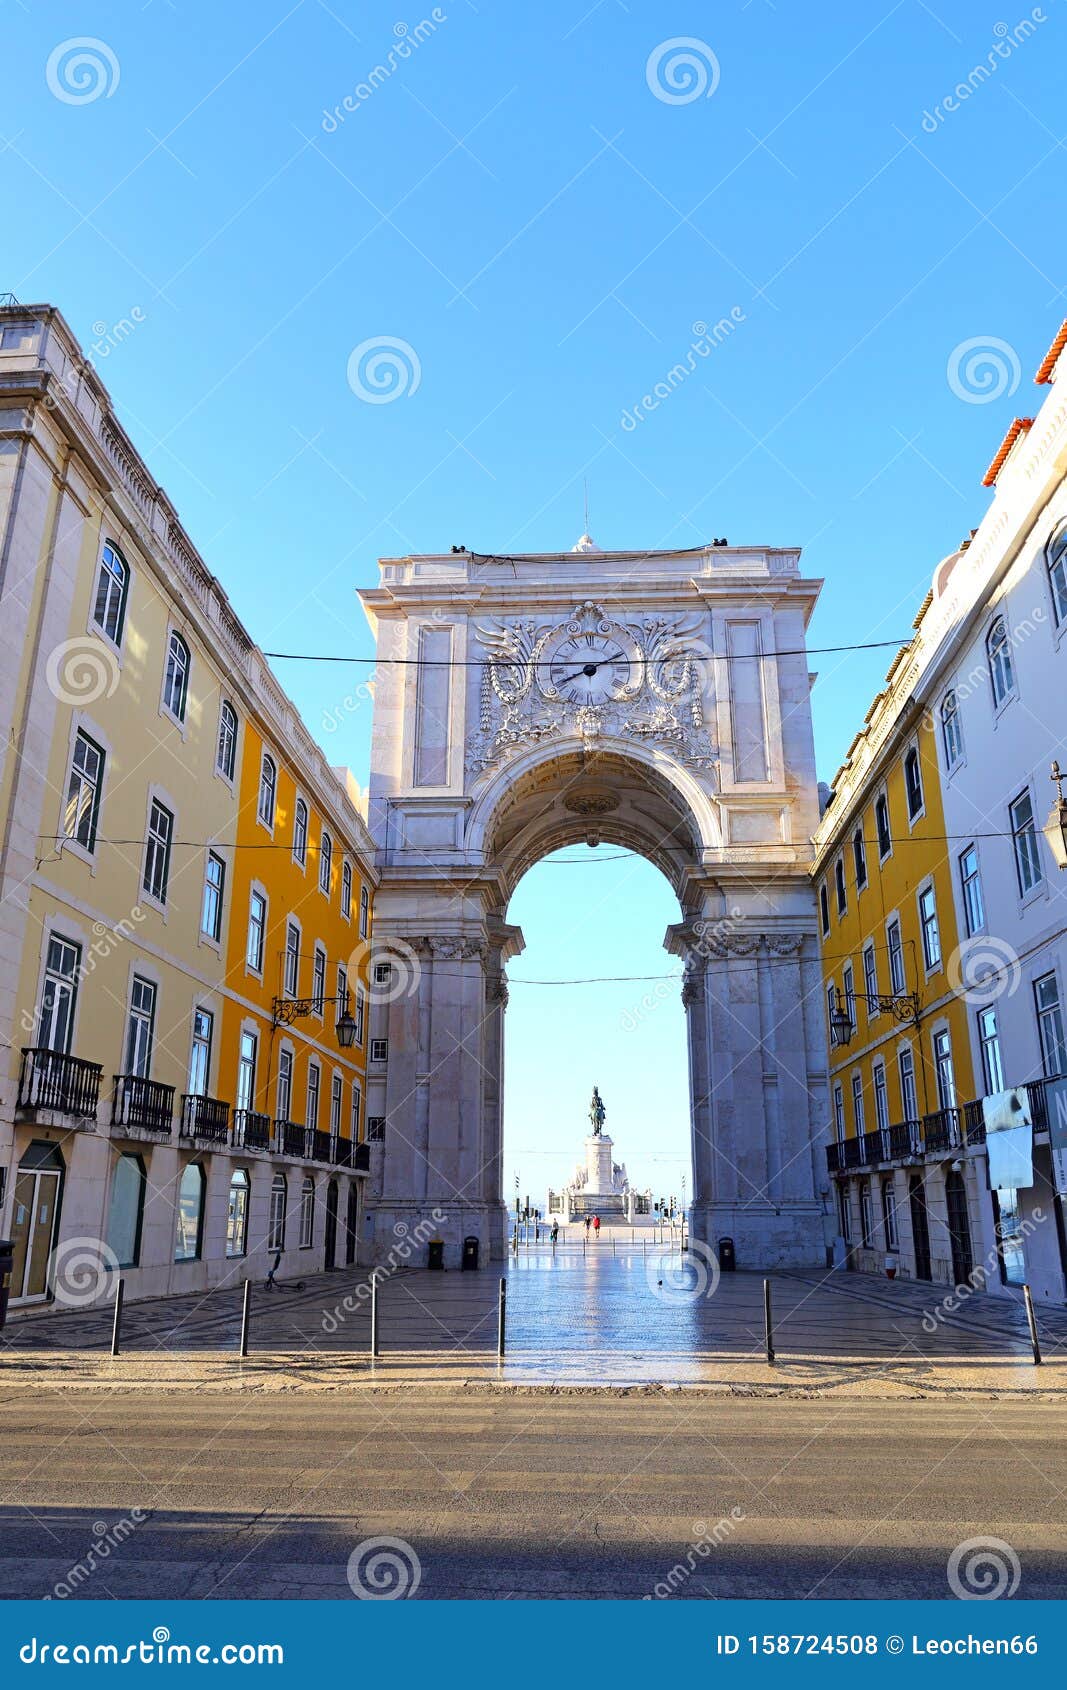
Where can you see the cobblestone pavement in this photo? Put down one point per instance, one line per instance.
(629, 1317)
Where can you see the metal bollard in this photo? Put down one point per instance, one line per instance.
(768, 1328)
(116, 1330)
(374, 1350)
(246, 1317)
(1032, 1323)
(502, 1316)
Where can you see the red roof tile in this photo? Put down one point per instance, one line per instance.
(1019, 426)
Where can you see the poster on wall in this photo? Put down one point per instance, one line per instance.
(1009, 1137)
(1056, 1105)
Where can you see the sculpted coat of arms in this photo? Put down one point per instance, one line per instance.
(646, 679)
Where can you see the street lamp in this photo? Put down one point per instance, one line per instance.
(287, 1010)
(903, 1005)
(1056, 826)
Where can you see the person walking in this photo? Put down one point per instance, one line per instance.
(596, 1225)
(555, 1232)
(587, 1225)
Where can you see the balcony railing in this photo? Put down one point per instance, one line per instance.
(937, 1134)
(941, 1131)
(320, 1145)
(290, 1138)
(206, 1118)
(142, 1104)
(251, 1131)
(342, 1152)
(49, 1079)
(361, 1158)
(905, 1140)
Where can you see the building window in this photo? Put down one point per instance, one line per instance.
(291, 977)
(928, 924)
(337, 1087)
(379, 1050)
(870, 981)
(140, 1025)
(889, 1215)
(909, 1102)
(1050, 1025)
(237, 1214)
(857, 1104)
(300, 832)
(383, 973)
(849, 979)
(55, 1024)
(126, 1210)
(112, 587)
(214, 886)
(285, 1084)
(951, 729)
(200, 1052)
(325, 862)
(318, 982)
(364, 912)
(276, 1220)
(361, 1013)
(342, 989)
(1024, 839)
(257, 929)
(268, 790)
(946, 1079)
(913, 784)
(839, 885)
(839, 1114)
(188, 1236)
(314, 1081)
(176, 677)
(881, 826)
(865, 1212)
(896, 956)
(971, 884)
(357, 1101)
(157, 851)
(375, 1129)
(844, 1212)
(1056, 561)
(1001, 668)
(859, 859)
(82, 811)
(307, 1213)
(824, 909)
(226, 755)
(248, 1052)
(881, 1098)
(346, 890)
(831, 1006)
(989, 1044)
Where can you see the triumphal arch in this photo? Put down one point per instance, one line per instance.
(657, 701)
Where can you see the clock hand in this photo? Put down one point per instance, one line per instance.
(589, 669)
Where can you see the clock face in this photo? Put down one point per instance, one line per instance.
(590, 669)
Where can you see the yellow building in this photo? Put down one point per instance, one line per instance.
(134, 707)
(900, 1068)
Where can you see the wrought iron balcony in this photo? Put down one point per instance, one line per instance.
(290, 1139)
(905, 1141)
(251, 1131)
(206, 1118)
(941, 1131)
(342, 1152)
(320, 1145)
(50, 1080)
(141, 1105)
(361, 1158)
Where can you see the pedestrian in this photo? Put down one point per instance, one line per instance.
(555, 1231)
(596, 1225)
(587, 1226)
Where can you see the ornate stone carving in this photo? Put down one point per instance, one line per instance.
(649, 682)
(496, 989)
(455, 947)
(785, 944)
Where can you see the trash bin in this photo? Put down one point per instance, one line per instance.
(727, 1258)
(470, 1253)
(435, 1253)
(7, 1262)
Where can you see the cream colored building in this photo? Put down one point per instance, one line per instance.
(129, 692)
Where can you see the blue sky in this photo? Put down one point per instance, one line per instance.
(517, 203)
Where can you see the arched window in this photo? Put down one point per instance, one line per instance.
(226, 758)
(112, 587)
(300, 832)
(325, 862)
(190, 1227)
(346, 890)
(176, 679)
(279, 1192)
(268, 790)
(913, 783)
(951, 729)
(126, 1209)
(307, 1213)
(1056, 562)
(1001, 669)
(237, 1214)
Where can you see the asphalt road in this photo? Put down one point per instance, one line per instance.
(501, 1494)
